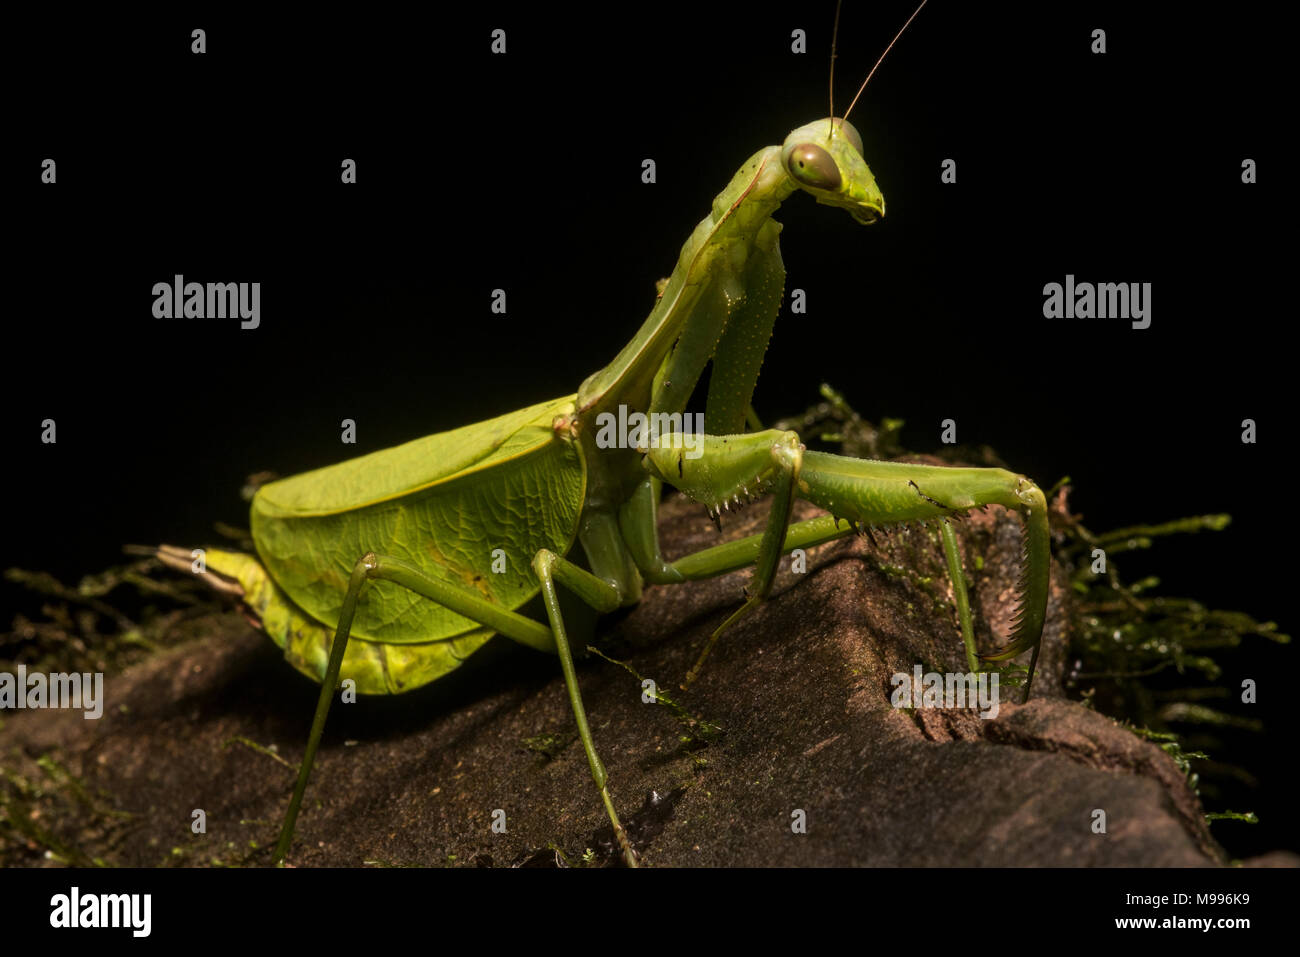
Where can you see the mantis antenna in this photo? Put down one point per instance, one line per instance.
(835, 32)
(873, 69)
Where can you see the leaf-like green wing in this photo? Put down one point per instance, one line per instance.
(377, 668)
(444, 503)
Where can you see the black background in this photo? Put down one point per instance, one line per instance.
(523, 172)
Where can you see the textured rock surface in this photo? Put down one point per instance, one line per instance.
(801, 690)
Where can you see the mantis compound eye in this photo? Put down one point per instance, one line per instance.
(813, 166)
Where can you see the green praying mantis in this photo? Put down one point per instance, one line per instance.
(391, 569)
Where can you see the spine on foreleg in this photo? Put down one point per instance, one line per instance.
(721, 471)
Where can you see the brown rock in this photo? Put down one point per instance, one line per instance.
(801, 690)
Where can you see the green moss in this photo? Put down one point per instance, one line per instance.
(53, 815)
(1249, 816)
(80, 630)
(699, 732)
(1151, 660)
(549, 744)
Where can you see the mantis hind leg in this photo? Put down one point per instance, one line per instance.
(604, 597)
(551, 568)
(360, 573)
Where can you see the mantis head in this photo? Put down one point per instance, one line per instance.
(824, 158)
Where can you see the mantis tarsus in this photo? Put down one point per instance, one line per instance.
(392, 568)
